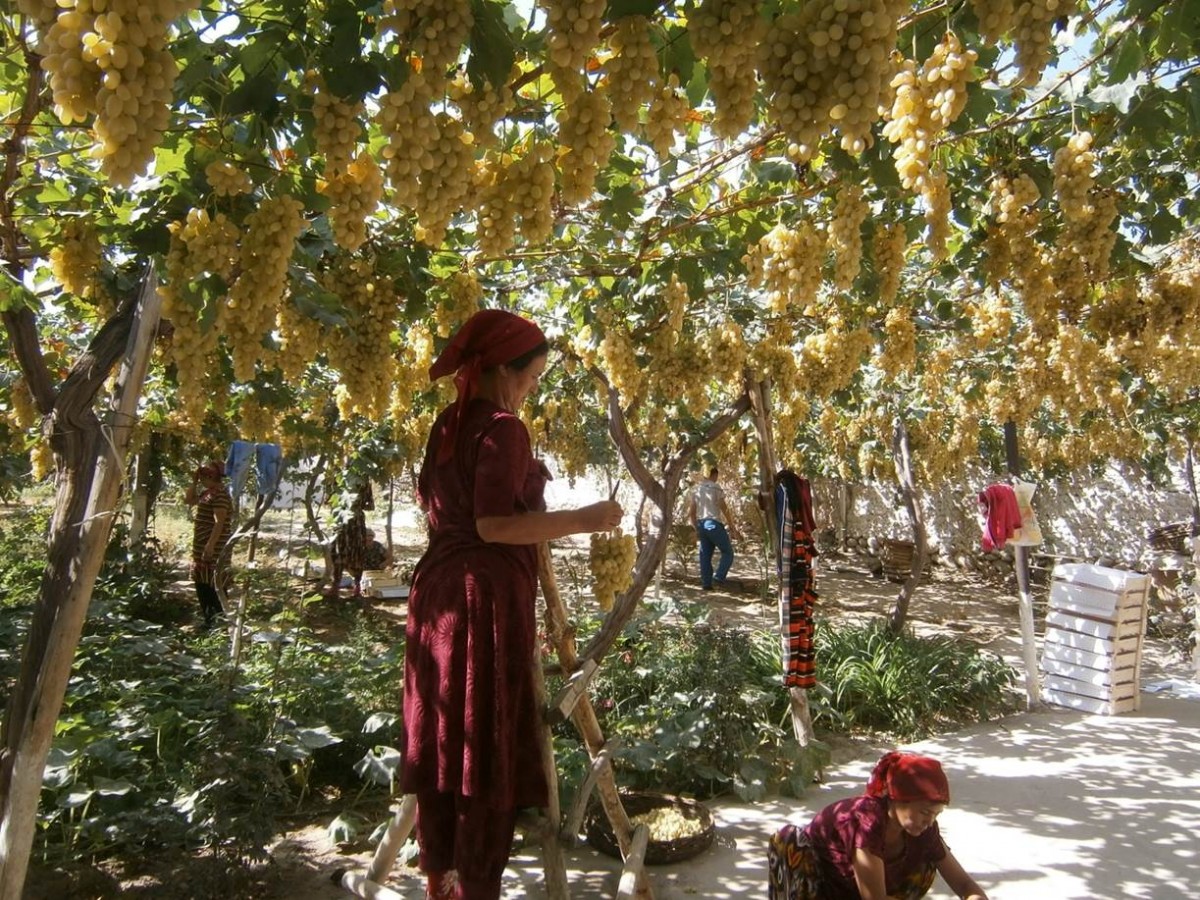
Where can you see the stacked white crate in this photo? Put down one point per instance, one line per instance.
(1095, 625)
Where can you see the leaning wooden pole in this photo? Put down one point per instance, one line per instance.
(74, 560)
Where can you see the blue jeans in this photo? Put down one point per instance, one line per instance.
(713, 536)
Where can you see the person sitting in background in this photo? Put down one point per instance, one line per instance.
(375, 555)
(883, 844)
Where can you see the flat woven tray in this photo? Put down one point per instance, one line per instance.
(600, 834)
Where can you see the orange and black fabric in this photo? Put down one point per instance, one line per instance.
(797, 587)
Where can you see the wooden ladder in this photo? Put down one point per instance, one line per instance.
(549, 828)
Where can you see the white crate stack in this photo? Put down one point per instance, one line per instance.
(1095, 625)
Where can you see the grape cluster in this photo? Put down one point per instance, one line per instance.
(632, 70)
(25, 414)
(482, 105)
(109, 58)
(727, 35)
(995, 17)
(786, 262)
(226, 179)
(991, 321)
(924, 104)
(888, 244)
(269, 236)
(937, 213)
(41, 460)
(75, 262)
(574, 32)
(611, 556)
(42, 12)
(361, 349)
(624, 372)
(445, 184)
(434, 31)
(587, 143)
(517, 196)
(1013, 207)
(829, 359)
(1074, 175)
(256, 421)
(354, 194)
(725, 348)
(1033, 35)
(337, 127)
(899, 353)
(845, 235)
(300, 340)
(827, 67)
(463, 296)
(407, 121)
(668, 114)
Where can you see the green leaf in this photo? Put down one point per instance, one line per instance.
(14, 295)
(316, 738)
(492, 49)
(1118, 95)
(618, 9)
(1128, 58)
(108, 787)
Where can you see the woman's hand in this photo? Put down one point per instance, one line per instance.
(602, 516)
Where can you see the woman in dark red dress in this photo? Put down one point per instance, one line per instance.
(470, 748)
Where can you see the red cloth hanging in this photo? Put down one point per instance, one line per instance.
(1002, 516)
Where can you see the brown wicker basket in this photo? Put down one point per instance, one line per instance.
(600, 834)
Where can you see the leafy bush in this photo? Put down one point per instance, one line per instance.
(23, 548)
(699, 710)
(904, 685)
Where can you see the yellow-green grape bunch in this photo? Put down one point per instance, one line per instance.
(587, 143)
(256, 422)
(667, 116)
(432, 30)
(337, 128)
(725, 348)
(226, 179)
(42, 12)
(937, 213)
(945, 76)
(1033, 35)
(519, 195)
(25, 414)
(620, 362)
(1013, 206)
(361, 349)
(354, 195)
(41, 460)
(1012, 197)
(889, 243)
(1074, 175)
(445, 184)
(675, 300)
(75, 262)
(909, 127)
(611, 557)
(407, 121)
(826, 67)
(845, 235)
(574, 29)
(1093, 239)
(495, 207)
(996, 18)
(991, 321)
(109, 57)
(533, 184)
(899, 354)
(829, 359)
(412, 367)
(208, 244)
(632, 70)
(558, 425)
(727, 34)
(482, 105)
(463, 296)
(299, 340)
(267, 243)
(786, 262)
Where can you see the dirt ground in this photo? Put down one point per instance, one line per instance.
(303, 859)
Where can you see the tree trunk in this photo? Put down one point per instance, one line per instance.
(90, 457)
(902, 456)
(1189, 471)
(147, 483)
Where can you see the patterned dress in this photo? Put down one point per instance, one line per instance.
(215, 573)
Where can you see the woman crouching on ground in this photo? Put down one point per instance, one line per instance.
(884, 844)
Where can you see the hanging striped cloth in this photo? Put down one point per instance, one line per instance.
(797, 591)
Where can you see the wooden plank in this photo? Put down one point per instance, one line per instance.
(573, 823)
(1064, 655)
(397, 833)
(1075, 686)
(1098, 677)
(561, 707)
(1073, 639)
(1118, 581)
(1081, 625)
(1075, 701)
(635, 864)
(1082, 599)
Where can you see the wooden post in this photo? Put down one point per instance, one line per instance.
(1033, 692)
(74, 560)
(553, 861)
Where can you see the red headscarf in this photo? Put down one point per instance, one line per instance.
(213, 469)
(909, 778)
(489, 338)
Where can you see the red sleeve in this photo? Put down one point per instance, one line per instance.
(501, 468)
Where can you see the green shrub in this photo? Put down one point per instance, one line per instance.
(903, 685)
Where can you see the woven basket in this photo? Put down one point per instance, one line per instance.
(1172, 538)
(600, 834)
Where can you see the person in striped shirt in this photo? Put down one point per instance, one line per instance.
(212, 526)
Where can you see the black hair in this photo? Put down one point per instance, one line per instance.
(529, 356)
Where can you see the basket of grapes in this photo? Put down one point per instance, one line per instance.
(679, 828)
